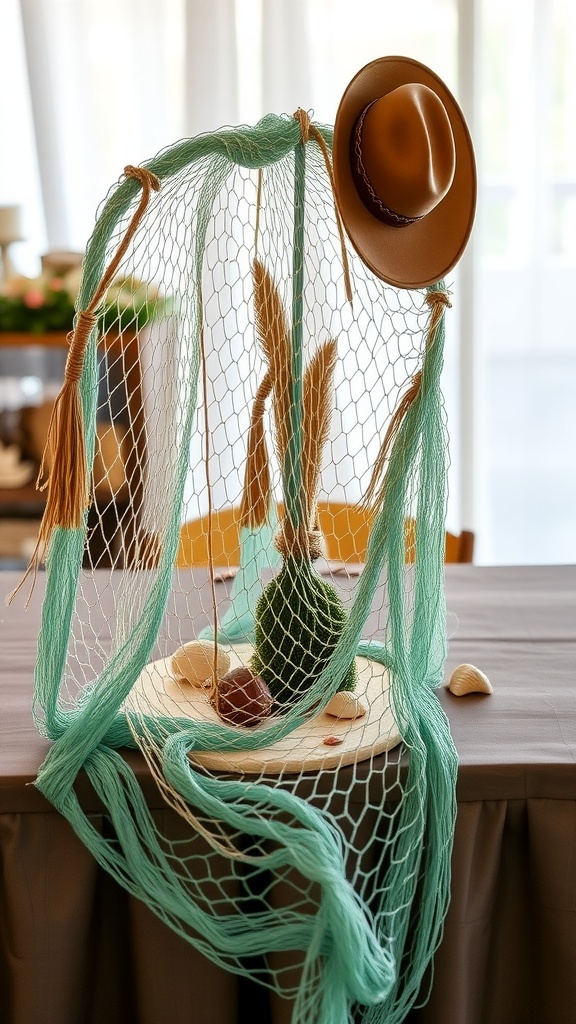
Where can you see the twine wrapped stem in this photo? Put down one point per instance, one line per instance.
(63, 471)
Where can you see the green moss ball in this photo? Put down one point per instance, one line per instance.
(299, 620)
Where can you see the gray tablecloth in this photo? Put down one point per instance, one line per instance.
(509, 946)
(76, 949)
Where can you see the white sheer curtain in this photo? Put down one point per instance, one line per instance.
(108, 82)
(106, 89)
(210, 66)
(526, 274)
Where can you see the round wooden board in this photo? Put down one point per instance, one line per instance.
(303, 749)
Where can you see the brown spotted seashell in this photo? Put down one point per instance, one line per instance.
(242, 698)
(194, 662)
(468, 679)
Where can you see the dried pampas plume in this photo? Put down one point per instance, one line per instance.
(274, 337)
(275, 341)
(317, 414)
(256, 492)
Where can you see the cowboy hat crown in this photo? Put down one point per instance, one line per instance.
(404, 151)
(405, 173)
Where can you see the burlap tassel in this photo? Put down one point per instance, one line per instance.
(63, 471)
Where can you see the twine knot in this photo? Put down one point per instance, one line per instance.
(300, 542)
(304, 121)
(438, 297)
(439, 301)
(146, 178)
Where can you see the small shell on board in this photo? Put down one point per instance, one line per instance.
(468, 679)
(332, 741)
(345, 705)
(194, 662)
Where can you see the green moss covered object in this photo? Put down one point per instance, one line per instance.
(299, 620)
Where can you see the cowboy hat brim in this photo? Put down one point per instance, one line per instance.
(418, 254)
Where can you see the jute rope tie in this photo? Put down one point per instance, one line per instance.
(86, 318)
(308, 129)
(438, 301)
(77, 344)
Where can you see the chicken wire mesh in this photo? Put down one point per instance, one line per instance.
(236, 403)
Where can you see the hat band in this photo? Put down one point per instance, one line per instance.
(365, 188)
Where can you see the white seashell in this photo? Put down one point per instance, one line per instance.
(344, 704)
(194, 662)
(469, 679)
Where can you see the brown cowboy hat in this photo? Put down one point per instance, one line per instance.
(404, 171)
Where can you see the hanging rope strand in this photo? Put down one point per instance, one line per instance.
(308, 128)
(63, 472)
(438, 301)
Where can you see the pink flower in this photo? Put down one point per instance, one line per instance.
(33, 298)
(57, 284)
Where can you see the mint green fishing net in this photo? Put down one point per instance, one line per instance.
(243, 386)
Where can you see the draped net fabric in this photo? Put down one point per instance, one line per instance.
(336, 873)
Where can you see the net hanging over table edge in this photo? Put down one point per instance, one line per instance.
(88, 735)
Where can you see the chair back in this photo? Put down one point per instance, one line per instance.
(345, 529)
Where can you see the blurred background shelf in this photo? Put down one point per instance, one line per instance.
(39, 359)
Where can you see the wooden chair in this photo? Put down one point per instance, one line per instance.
(193, 545)
(459, 546)
(346, 529)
